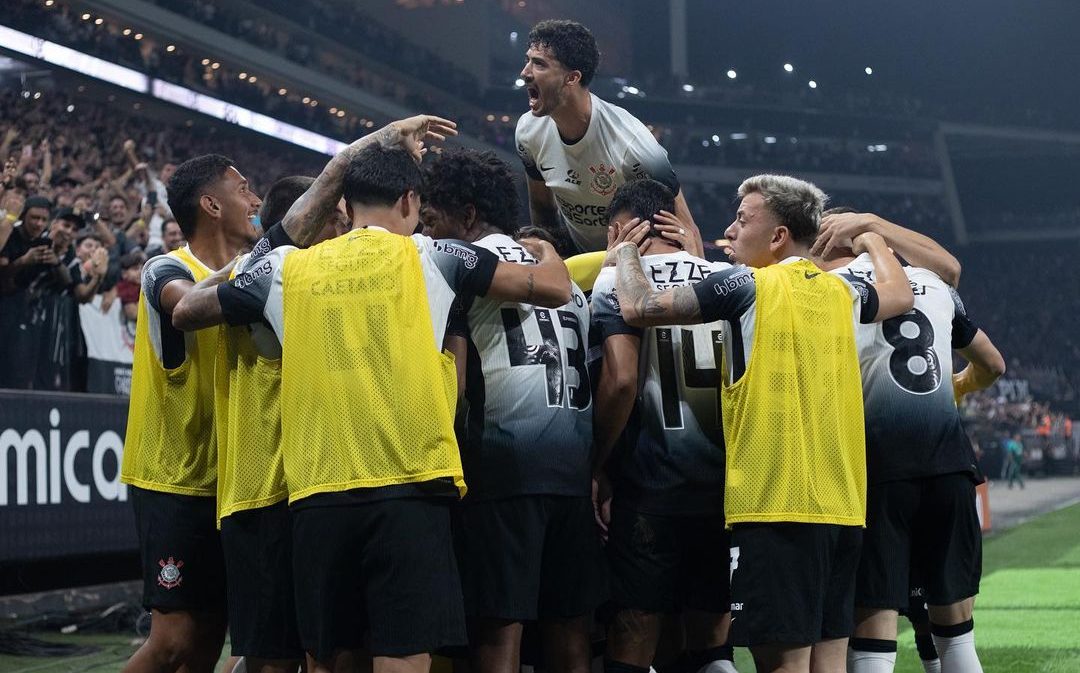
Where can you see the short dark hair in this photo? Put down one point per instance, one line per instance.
(571, 43)
(531, 231)
(35, 202)
(379, 176)
(460, 177)
(280, 198)
(187, 185)
(642, 198)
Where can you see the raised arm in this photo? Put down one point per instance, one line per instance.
(546, 283)
(198, 305)
(641, 304)
(542, 210)
(919, 250)
(985, 365)
(309, 214)
(892, 286)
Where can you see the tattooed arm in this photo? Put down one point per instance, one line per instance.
(310, 213)
(643, 306)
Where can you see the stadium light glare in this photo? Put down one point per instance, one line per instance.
(688, 88)
(369, 125)
(770, 140)
(98, 21)
(490, 118)
(881, 148)
(68, 58)
(518, 83)
(215, 65)
(49, 3)
(739, 136)
(789, 68)
(138, 36)
(868, 70)
(282, 91)
(86, 17)
(704, 143)
(341, 113)
(71, 108)
(731, 74)
(505, 119)
(812, 84)
(715, 138)
(171, 48)
(37, 95)
(127, 31)
(333, 110)
(242, 75)
(632, 90)
(253, 79)
(305, 100)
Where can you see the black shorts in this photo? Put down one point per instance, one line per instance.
(262, 606)
(793, 583)
(379, 575)
(929, 526)
(183, 565)
(529, 557)
(668, 563)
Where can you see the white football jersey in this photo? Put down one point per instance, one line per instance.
(584, 175)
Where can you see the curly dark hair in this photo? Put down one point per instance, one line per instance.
(571, 43)
(460, 177)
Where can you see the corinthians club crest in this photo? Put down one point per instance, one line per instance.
(602, 182)
(169, 576)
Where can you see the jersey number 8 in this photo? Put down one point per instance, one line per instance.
(913, 364)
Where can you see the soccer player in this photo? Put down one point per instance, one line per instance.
(170, 452)
(795, 483)
(921, 468)
(578, 149)
(527, 547)
(367, 403)
(661, 385)
(256, 527)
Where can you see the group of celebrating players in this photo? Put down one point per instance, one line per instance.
(419, 441)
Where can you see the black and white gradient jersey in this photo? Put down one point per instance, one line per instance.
(913, 428)
(670, 460)
(528, 425)
(584, 175)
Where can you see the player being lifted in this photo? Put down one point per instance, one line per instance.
(666, 528)
(921, 467)
(795, 483)
(578, 149)
(527, 547)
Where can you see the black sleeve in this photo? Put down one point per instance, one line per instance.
(963, 328)
(244, 297)
(727, 294)
(467, 268)
(868, 298)
(527, 161)
(606, 315)
(158, 273)
(275, 237)
(647, 159)
(458, 320)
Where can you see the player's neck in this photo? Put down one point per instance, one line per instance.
(479, 231)
(833, 263)
(791, 250)
(660, 247)
(215, 250)
(572, 118)
(384, 218)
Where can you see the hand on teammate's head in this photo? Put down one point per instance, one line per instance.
(634, 231)
(414, 132)
(836, 233)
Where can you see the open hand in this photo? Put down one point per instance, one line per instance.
(414, 132)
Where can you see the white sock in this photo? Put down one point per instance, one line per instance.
(719, 666)
(957, 654)
(859, 661)
(931, 665)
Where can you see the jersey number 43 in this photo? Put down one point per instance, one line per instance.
(549, 352)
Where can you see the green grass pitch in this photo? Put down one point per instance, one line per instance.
(1027, 617)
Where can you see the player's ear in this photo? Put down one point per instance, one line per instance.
(469, 216)
(780, 236)
(573, 77)
(210, 205)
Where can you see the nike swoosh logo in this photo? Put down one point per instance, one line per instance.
(810, 274)
(546, 168)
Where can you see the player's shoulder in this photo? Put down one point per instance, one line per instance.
(160, 265)
(605, 281)
(530, 127)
